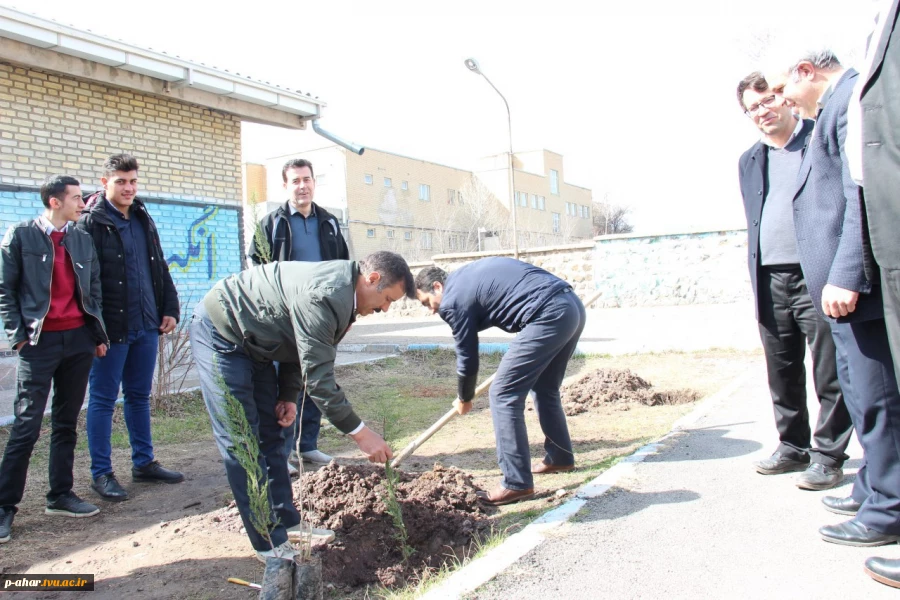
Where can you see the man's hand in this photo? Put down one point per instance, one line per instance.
(371, 444)
(285, 412)
(167, 325)
(462, 407)
(838, 302)
(21, 345)
(100, 352)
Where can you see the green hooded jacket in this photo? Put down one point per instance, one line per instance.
(294, 313)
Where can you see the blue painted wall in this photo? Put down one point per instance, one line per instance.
(201, 242)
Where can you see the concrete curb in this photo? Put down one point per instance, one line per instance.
(478, 572)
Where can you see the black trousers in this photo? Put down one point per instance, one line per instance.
(63, 358)
(867, 375)
(787, 322)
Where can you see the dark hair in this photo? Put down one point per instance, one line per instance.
(427, 277)
(392, 269)
(296, 163)
(55, 187)
(119, 162)
(754, 81)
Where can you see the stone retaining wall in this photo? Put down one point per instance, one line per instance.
(707, 267)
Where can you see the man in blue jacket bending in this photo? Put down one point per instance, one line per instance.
(518, 298)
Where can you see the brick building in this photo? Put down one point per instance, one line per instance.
(70, 98)
(419, 208)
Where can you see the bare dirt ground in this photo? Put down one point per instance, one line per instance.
(163, 543)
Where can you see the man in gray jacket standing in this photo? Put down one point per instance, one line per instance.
(294, 313)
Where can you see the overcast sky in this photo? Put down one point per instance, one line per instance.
(638, 98)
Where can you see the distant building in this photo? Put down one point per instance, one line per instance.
(419, 208)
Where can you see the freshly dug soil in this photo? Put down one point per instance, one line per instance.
(603, 386)
(440, 510)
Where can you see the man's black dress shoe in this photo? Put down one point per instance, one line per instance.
(854, 533)
(779, 463)
(109, 489)
(884, 570)
(155, 472)
(841, 506)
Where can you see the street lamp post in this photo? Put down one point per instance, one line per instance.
(472, 65)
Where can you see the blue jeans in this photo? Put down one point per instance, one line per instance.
(306, 424)
(536, 361)
(129, 365)
(255, 385)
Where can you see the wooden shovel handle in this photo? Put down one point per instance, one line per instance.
(437, 426)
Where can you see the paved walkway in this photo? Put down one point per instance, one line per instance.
(691, 520)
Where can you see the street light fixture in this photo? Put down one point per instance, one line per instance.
(472, 65)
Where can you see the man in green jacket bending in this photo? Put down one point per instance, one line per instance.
(294, 313)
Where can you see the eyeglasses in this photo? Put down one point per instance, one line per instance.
(766, 102)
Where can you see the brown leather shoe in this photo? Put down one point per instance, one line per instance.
(543, 468)
(500, 496)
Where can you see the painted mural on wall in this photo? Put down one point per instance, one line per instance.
(201, 241)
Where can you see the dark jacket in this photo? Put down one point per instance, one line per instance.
(111, 253)
(294, 313)
(754, 181)
(881, 144)
(26, 270)
(491, 292)
(827, 215)
(277, 227)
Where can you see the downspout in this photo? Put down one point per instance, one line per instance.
(340, 142)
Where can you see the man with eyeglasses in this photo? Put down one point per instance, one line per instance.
(784, 309)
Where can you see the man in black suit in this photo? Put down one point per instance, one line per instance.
(829, 229)
(879, 155)
(784, 309)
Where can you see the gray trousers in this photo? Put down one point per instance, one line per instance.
(536, 361)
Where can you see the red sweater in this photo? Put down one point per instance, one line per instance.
(64, 313)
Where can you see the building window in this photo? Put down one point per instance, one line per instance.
(387, 182)
(453, 242)
(426, 240)
(370, 233)
(534, 201)
(404, 185)
(320, 178)
(541, 203)
(407, 235)
(425, 192)
(367, 179)
(459, 198)
(451, 196)
(554, 182)
(555, 222)
(390, 233)
(522, 198)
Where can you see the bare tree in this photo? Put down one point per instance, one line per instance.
(610, 218)
(479, 212)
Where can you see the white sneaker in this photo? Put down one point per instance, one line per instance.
(292, 471)
(297, 533)
(294, 458)
(316, 457)
(285, 551)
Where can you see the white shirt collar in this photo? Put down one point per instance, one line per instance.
(294, 211)
(48, 227)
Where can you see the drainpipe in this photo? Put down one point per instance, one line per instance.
(333, 138)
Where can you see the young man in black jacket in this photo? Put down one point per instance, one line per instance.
(139, 303)
(50, 306)
(301, 230)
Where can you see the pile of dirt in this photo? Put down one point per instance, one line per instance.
(440, 510)
(603, 386)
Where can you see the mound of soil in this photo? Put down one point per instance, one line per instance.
(440, 510)
(603, 386)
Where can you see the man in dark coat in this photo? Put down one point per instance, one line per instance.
(519, 298)
(784, 308)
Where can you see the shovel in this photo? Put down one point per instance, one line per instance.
(437, 426)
